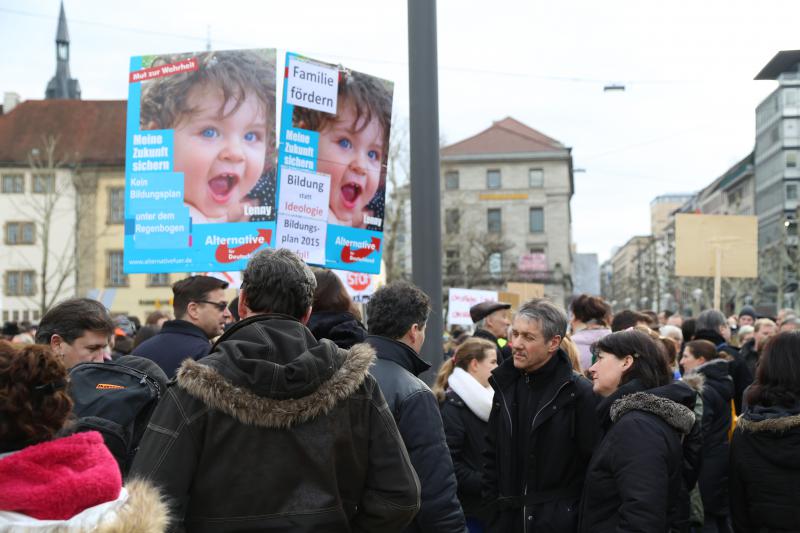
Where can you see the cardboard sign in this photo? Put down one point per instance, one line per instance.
(698, 239)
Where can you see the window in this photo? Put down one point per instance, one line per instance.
(116, 205)
(158, 280)
(14, 184)
(494, 219)
(44, 183)
(19, 233)
(451, 221)
(115, 277)
(20, 283)
(451, 180)
(493, 179)
(536, 219)
(453, 262)
(496, 264)
(791, 191)
(791, 159)
(535, 178)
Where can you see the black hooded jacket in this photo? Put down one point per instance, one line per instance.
(274, 431)
(765, 470)
(537, 489)
(737, 367)
(342, 328)
(416, 412)
(634, 479)
(717, 393)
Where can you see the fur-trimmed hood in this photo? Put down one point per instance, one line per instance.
(676, 415)
(769, 419)
(695, 381)
(140, 509)
(773, 433)
(269, 371)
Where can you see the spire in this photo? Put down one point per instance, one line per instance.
(62, 34)
(62, 85)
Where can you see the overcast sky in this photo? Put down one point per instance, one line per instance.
(686, 116)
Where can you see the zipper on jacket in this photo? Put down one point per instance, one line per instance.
(525, 490)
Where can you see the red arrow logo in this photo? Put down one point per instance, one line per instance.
(351, 257)
(229, 255)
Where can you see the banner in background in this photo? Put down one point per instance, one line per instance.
(460, 300)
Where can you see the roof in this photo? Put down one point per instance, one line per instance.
(783, 61)
(505, 136)
(91, 132)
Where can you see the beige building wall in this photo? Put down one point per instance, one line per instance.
(514, 198)
(17, 260)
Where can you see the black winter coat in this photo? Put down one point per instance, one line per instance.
(275, 431)
(765, 471)
(717, 393)
(561, 436)
(634, 478)
(737, 367)
(466, 438)
(177, 340)
(341, 328)
(416, 412)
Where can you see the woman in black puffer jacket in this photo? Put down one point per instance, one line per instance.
(700, 357)
(765, 463)
(634, 478)
(334, 315)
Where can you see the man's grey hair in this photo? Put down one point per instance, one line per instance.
(481, 324)
(673, 332)
(552, 319)
(710, 319)
(278, 281)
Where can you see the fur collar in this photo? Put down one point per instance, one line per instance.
(144, 512)
(696, 381)
(778, 424)
(676, 415)
(210, 387)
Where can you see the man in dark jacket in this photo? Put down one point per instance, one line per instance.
(275, 431)
(542, 428)
(396, 324)
(201, 312)
(491, 323)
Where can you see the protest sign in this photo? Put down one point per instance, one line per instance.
(334, 138)
(360, 286)
(200, 160)
(460, 300)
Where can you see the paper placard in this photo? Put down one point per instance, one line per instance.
(460, 300)
(312, 85)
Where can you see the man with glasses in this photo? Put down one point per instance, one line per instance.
(201, 312)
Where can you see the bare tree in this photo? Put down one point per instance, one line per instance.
(397, 178)
(470, 252)
(44, 207)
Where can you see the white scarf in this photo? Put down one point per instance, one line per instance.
(477, 397)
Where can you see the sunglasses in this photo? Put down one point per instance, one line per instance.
(221, 306)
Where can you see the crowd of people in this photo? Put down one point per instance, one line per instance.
(285, 410)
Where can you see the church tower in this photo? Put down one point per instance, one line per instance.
(61, 85)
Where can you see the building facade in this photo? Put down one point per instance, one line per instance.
(506, 210)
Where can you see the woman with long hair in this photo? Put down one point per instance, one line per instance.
(334, 315)
(52, 483)
(633, 481)
(463, 390)
(764, 466)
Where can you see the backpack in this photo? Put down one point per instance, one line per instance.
(116, 399)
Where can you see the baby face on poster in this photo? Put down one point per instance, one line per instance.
(223, 120)
(353, 146)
